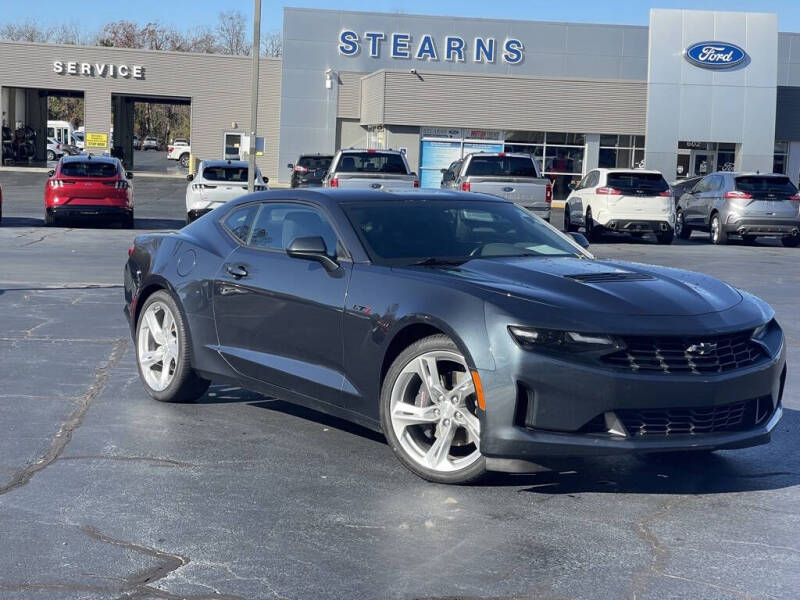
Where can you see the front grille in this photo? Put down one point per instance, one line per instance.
(687, 356)
(737, 416)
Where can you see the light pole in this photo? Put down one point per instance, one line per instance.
(251, 171)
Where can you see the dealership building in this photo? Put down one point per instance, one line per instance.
(693, 92)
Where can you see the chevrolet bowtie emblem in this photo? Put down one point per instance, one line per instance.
(702, 348)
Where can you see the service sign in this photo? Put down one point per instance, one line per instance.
(427, 47)
(96, 140)
(715, 55)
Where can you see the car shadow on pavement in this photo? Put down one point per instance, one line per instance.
(152, 224)
(21, 222)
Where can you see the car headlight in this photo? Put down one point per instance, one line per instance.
(564, 341)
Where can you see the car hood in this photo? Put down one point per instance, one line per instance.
(602, 286)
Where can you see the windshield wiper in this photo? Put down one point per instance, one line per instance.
(435, 262)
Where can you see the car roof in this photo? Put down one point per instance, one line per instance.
(328, 196)
(86, 157)
(628, 170)
(224, 163)
(370, 151)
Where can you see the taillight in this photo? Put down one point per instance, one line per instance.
(56, 183)
(608, 191)
(796, 197)
(299, 169)
(416, 183)
(666, 194)
(465, 186)
(548, 193)
(334, 182)
(736, 194)
(131, 249)
(121, 185)
(170, 149)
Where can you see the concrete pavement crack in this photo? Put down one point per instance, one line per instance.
(75, 419)
(658, 562)
(147, 459)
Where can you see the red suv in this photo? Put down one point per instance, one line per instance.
(89, 186)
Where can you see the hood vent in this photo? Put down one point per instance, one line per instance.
(613, 276)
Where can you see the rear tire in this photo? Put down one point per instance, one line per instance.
(163, 352)
(665, 237)
(128, 221)
(49, 219)
(435, 438)
(791, 241)
(718, 236)
(184, 160)
(51, 156)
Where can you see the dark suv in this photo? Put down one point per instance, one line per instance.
(749, 205)
(310, 170)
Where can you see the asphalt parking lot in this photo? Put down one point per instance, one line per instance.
(105, 493)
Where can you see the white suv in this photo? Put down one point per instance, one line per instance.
(218, 182)
(631, 201)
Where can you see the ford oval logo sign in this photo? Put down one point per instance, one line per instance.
(715, 55)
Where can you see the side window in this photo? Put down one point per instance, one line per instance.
(279, 223)
(702, 186)
(240, 221)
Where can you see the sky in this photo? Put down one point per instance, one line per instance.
(91, 15)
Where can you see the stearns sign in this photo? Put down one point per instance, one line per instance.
(452, 48)
(98, 69)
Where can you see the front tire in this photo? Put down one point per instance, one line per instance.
(568, 226)
(682, 230)
(718, 236)
(163, 352)
(429, 412)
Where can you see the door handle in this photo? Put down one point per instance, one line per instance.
(237, 271)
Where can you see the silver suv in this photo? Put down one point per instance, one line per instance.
(749, 205)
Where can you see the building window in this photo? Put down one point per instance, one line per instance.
(780, 158)
(621, 151)
(559, 156)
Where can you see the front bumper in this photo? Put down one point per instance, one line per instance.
(548, 406)
(763, 227)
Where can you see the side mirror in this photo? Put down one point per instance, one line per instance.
(579, 239)
(414, 173)
(312, 248)
(265, 179)
(573, 186)
(442, 170)
(290, 166)
(51, 172)
(129, 174)
(190, 177)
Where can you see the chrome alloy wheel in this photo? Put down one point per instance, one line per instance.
(433, 412)
(158, 346)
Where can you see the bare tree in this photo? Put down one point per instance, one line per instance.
(272, 44)
(25, 31)
(232, 33)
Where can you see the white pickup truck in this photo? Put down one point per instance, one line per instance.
(514, 177)
(370, 169)
(181, 151)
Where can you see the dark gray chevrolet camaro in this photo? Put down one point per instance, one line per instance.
(472, 334)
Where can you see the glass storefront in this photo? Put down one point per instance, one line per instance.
(560, 156)
(440, 147)
(780, 158)
(621, 151)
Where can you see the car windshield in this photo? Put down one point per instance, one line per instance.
(637, 182)
(312, 163)
(371, 162)
(501, 166)
(234, 174)
(88, 168)
(755, 184)
(430, 231)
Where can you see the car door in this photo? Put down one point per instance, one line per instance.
(575, 199)
(711, 196)
(693, 201)
(278, 318)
